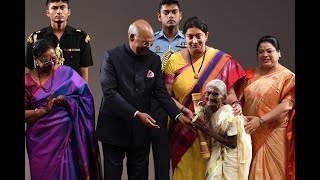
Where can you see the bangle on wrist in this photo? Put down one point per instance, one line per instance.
(36, 112)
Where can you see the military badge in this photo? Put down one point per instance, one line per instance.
(59, 54)
(165, 57)
(29, 39)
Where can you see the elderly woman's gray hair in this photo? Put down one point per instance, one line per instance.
(217, 83)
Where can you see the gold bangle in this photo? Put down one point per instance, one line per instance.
(36, 114)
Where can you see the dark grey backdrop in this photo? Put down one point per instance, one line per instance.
(234, 26)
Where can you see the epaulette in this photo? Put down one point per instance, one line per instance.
(156, 33)
(87, 39)
(181, 33)
(33, 37)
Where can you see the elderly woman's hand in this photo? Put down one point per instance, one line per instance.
(204, 127)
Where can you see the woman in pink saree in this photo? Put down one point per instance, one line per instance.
(268, 98)
(186, 72)
(59, 113)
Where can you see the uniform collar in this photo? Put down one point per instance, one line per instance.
(127, 46)
(67, 30)
(162, 35)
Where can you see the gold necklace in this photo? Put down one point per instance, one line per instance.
(196, 76)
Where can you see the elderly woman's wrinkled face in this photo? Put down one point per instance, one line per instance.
(214, 97)
(196, 40)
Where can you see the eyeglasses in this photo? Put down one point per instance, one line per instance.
(269, 51)
(208, 93)
(48, 60)
(145, 43)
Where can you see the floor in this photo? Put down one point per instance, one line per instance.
(124, 175)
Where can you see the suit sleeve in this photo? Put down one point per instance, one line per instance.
(119, 106)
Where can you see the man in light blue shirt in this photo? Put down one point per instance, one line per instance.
(167, 41)
(162, 43)
(170, 37)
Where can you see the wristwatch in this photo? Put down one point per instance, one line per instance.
(261, 120)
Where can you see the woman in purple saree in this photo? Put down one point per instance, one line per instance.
(60, 117)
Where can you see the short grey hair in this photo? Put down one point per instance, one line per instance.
(218, 84)
(133, 29)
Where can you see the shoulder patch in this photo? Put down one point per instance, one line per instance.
(29, 39)
(155, 34)
(33, 37)
(87, 38)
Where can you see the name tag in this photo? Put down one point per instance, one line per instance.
(158, 49)
(182, 45)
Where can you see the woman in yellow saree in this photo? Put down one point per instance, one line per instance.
(187, 72)
(268, 97)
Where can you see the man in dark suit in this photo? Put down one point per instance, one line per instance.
(130, 74)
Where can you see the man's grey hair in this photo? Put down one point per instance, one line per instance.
(218, 84)
(133, 29)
